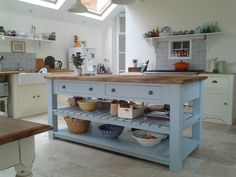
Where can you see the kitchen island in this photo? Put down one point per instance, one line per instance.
(172, 90)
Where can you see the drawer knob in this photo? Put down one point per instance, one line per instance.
(215, 81)
(150, 92)
(225, 103)
(90, 89)
(113, 90)
(63, 87)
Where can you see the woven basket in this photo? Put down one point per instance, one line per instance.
(77, 125)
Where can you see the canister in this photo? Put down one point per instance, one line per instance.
(221, 66)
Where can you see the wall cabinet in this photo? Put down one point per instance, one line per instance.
(220, 98)
(26, 100)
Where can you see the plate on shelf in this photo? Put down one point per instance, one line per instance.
(162, 115)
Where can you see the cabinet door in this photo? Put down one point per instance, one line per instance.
(26, 99)
(41, 100)
(216, 102)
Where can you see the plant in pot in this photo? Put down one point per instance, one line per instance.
(135, 62)
(78, 61)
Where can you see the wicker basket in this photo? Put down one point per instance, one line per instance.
(77, 125)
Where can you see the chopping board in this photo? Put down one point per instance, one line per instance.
(39, 63)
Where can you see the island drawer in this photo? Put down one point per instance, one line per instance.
(131, 91)
(81, 88)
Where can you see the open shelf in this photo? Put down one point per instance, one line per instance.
(125, 144)
(187, 36)
(24, 38)
(103, 116)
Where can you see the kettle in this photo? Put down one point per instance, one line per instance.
(212, 65)
(58, 64)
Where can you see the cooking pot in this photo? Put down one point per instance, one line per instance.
(181, 66)
(58, 64)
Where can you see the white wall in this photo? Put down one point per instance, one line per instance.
(181, 15)
(64, 33)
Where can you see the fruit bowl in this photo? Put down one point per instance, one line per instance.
(88, 105)
(146, 138)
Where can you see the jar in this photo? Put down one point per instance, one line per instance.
(221, 66)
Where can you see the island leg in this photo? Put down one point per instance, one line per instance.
(27, 156)
(176, 129)
(52, 104)
(198, 110)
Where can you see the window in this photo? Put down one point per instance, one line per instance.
(53, 4)
(98, 9)
(180, 49)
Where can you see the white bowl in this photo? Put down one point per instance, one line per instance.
(144, 137)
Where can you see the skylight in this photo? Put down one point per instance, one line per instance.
(53, 4)
(98, 9)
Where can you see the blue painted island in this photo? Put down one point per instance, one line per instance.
(172, 90)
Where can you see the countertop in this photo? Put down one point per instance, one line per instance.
(8, 72)
(132, 79)
(15, 129)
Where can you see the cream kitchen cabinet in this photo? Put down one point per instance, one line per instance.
(26, 100)
(220, 98)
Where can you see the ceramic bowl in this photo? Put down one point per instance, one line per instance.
(146, 138)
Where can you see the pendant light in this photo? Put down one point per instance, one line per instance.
(78, 7)
(122, 2)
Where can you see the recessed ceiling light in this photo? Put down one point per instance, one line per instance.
(46, 3)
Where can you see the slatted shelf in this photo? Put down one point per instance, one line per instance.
(103, 116)
(125, 144)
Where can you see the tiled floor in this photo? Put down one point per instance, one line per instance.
(58, 158)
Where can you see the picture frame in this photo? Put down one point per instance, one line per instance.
(18, 46)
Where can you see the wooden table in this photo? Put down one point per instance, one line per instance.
(17, 147)
(172, 90)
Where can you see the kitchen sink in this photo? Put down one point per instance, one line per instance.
(31, 78)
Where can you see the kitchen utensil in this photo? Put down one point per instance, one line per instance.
(144, 66)
(58, 64)
(181, 66)
(49, 62)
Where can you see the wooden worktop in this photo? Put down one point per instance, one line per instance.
(178, 79)
(8, 72)
(15, 129)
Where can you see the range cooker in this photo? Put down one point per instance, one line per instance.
(174, 72)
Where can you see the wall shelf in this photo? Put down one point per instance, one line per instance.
(181, 37)
(2, 37)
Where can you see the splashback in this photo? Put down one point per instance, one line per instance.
(10, 61)
(197, 61)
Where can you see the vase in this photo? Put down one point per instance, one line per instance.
(78, 71)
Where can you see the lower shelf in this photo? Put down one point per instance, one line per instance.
(126, 145)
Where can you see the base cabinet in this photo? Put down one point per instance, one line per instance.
(26, 100)
(219, 98)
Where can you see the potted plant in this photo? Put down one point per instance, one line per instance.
(135, 62)
(78, 61)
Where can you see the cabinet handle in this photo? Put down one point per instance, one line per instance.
(63, 87)
(38, 96)
(90, 89)
(33, 96)
(150, 92)
(225, 103)
(113, 90)
(214, 81)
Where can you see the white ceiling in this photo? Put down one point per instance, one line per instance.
(60, 15)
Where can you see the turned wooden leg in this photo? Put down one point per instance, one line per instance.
(27, 156)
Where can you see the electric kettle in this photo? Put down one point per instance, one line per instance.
(58, 64)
